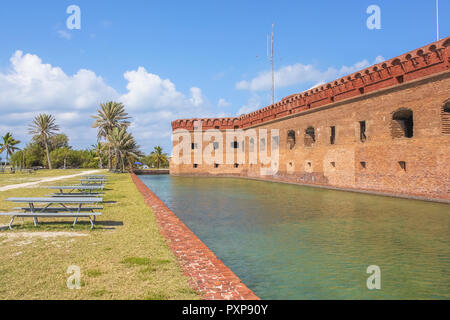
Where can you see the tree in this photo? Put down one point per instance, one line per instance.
(110, 115)
(57, 141)
(62, 157)
(97, 150)
(44, 127)
(124, 147)
(34, 155)
(158, 157)
(66, 157)
(9, 145)
(132, 153)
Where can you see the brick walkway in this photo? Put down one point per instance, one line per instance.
(208, 275)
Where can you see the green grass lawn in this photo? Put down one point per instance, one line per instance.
(124, 257)
(8, 178)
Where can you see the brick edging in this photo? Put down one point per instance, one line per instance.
(207, 274)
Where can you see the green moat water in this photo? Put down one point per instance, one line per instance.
(292, 242)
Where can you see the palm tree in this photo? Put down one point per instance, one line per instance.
(8, 145)
(44, 127)
(124, 147)
(158, 156)
(110, 115)
(98, 151)
(132, 153)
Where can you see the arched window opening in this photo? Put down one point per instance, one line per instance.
(362, 131)
(332, 135)
(275, 142)
(402, 124)
(262, 144)
(310, 137)
(445, 118)
(291, 139)
(252, 145)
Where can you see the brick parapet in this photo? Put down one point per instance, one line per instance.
(416, 64)
(207, 274)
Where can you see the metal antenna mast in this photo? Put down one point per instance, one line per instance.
(437, 19)
(271, 57)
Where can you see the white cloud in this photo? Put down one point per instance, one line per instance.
(379, 59)
(222, 103)
(64, 34)
(154, 102)
(351, 69)
(30, 87)
(317, 84)
(254, 103)
(196, 98)
(285, 76)
(299, 74)
(147, 90)
(224, 115)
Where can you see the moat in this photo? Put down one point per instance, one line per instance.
(293, 242)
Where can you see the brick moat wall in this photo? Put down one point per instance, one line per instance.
(394, 140)
(207, 274)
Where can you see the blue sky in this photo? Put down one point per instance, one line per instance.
(175, 59)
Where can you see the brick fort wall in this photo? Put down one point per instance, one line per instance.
(385, 129)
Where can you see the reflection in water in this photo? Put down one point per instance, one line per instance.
(292, 242)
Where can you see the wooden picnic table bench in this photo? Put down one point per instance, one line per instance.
(51, 215)
(64, 211)
(83, 189)
(58, 209)
(93, 181)
(77, 194)
(95, 176)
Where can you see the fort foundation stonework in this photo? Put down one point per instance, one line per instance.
(384, 129)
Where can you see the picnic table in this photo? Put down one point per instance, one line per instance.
(93, 181)
(95, 176)
(61, 211)
(86, 190)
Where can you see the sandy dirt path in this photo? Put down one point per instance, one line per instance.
(29, 184)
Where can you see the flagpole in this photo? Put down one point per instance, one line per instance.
(437, 20)
(273, 76)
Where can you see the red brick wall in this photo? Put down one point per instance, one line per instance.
(416, 64)
(424, 91)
